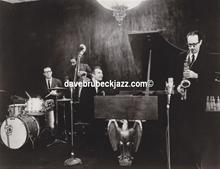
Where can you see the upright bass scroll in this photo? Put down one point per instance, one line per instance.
(81, 52)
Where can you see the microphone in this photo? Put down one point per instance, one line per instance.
(169, 90)
(169, 86)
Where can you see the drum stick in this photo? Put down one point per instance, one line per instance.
(27, 94)
(47, 95)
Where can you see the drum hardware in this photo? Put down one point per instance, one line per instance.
(63, 101)
(56, 124)
(55, 88)
(58, 88)
(7, 133)
(17, 99)
(56, 120)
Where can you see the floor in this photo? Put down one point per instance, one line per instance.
(151, 155)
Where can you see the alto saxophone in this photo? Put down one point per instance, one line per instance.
(185, 83)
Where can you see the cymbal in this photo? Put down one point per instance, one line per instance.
(58, 88)
(64, 100)
(81, 123)
(2, 91)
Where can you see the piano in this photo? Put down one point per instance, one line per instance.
(154, 59)
(150, 104)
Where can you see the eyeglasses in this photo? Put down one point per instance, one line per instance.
(47, 71)
(192, 44)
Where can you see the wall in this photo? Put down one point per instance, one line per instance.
(50, 32)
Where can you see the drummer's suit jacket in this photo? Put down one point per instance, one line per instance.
(44, 89)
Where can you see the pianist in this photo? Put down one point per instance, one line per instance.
(86, 108)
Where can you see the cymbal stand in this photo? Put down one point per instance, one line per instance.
(56, 140)
(64, 121)
(72, 160)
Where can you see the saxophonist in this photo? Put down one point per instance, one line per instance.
(193, 76)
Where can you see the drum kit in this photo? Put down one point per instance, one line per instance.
(21, 123)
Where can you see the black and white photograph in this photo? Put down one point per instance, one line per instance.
(109, 84)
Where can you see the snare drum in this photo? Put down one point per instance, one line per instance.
(16, 109)
(35, 107)
(15, 131)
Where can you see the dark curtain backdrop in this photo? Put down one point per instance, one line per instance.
(36, 34)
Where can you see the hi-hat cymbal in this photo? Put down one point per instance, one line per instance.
(64, 100)
(81, 123)
(58, 88)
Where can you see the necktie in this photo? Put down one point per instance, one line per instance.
(193, 59)
(48, 84)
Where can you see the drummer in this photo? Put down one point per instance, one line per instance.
(46, 93)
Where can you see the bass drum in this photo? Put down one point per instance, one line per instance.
(15, 131)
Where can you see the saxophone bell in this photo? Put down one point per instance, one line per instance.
(185, 84)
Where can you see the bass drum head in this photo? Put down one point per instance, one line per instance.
(13, 133)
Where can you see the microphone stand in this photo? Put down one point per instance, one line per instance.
(72, 160)
(169, 91)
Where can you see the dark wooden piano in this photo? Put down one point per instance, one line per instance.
(154, 58)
